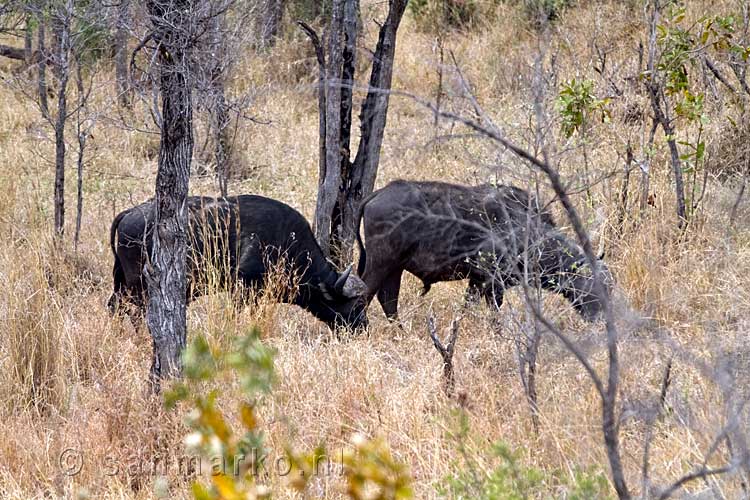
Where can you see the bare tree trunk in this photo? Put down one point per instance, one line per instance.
(331, 181)
(268, 22)
(166, 271)
(62, 75)
(343, 184)
(372, 121)
(623, 208)
(28, 49)
(82, 136)
(219, 110)
(659, 105)
(340, 253)
(42, 69)
(221, 137)
(122, 75)
(320, 56)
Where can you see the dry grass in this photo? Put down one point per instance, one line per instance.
(73, 378)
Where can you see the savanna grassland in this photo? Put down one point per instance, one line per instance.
(74, 378)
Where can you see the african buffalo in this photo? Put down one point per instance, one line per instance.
(238, 240)
(494, 235)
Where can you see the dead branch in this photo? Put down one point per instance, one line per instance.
(446, 350)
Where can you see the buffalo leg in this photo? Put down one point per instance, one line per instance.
(388, 294)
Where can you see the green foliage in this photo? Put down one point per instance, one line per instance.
(576, 103)
(369, 469)
(498, 473)
(212, 435)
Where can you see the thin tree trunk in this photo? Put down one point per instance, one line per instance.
(372, 121)
(268, 22)
(340, 252)
(320, 56)
(166, 272)
(623, 208)
(660, 108)
(28, 49)
(219, 111)
(330, 184)
(221, 137)
(82, 136)
(62, 74)
(122, 75)
(42, 70)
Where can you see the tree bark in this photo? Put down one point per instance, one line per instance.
(219, 109)
(42, 69)
(330, 181)
(372, 121)
(268, 22)
(343, 183)
(221, 137)
(28, 40)
(166, 272)
(62, 75)
(320, 56)
(122, 75)
(82, 136)
(339, 252)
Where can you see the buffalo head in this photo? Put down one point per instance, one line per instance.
(343, 303)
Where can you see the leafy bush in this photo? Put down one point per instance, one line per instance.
(506, 477)
(576, 103)
(369, 469)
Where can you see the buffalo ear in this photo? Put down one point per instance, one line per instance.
(339, 286)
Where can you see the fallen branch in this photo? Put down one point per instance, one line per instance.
(446, 350)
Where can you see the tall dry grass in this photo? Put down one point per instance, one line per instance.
(75, 379)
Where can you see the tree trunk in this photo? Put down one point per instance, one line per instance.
(340, 254)
(268, 22)
(42, 69)
(166, 272)
(62, 75)
(372, 122)
(28, 37)
(330, 181)
(343, 183)
(221, 138)
(82, 136)
(219, 109)
(122, 75)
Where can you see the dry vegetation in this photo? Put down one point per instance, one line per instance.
(74, 378)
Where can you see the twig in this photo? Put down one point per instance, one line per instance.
(446, 350)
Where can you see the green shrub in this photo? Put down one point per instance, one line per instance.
(497, 473)
(368, 469)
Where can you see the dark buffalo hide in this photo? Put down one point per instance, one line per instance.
(493, 235)
(240, 240)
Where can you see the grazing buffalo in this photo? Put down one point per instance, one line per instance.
(494, 235)
(239, 240)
